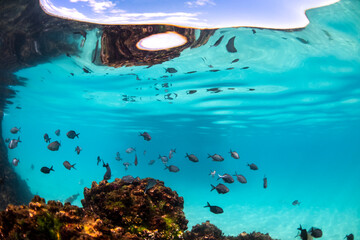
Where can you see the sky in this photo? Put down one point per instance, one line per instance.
(276, 14)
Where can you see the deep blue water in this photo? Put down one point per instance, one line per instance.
(300, 125)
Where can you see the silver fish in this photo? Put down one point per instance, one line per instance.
(14, 130)
(130, 150)
(240, 178)
(226, 177)
(212, 173)
(216, 157)
(15, 161)
(164, 159)
(68, 166)
(13, 143)
(57, 132)
(234, 154)
(71, 198)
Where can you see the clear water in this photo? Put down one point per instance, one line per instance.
(301, 125)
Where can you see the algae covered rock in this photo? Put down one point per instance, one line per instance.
(118, 210)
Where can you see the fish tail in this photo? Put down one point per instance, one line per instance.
(73, 166)
(230, 151)
(219, 176)
(209, 156)
(235, 174)
(174, 150)
(140, 134)
(213, 187)
(186, 155)
(208, 204)
(77, 135)
(19, 139)
(166, 167)
(51, 169)
(19, 129)
(159, 156)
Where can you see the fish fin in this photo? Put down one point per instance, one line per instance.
(77, 135)
(235, 174)
(174, 150)
(159, 156)
(51, 169)
(209, 156)
(219, 177)
(187, 155)
(19, 139)
(73, 166)
(213, 187)
(208, 205)
(166, 167)
(140, 134)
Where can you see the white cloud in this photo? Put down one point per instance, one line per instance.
(98, 6)
(64, 12)
(199, 3)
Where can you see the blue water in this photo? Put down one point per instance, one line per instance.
(300, 126)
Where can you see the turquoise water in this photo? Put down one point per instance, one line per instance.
(300, 125)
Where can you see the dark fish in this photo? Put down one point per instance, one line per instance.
(226, 178)
(234, 154)
(218, 41)
(126, 164)
(107, 174)
(350, 237)
(46, 170)
(240, 178)
(136, 160)
(302, 40)
(151, 162)
(220, 188)
(253, 31)
(251, 89)
(151, 183)
(17, 107)
(72, 134)
(54, 146)
(296, 202)
(81, 32)
(214, 90)
(230, 68)
(253, 166)
(192, 157)
(13, 143)
(86, 70)
(127, 179)
(214, 70)
(14, 130)
(96, 49)
(303, 233)
(118, 158)
(170, 70)
(172, 168)
(230, 45)
(46, 138)
(245, 67)
(265, 182)
(72, 74)
(191, 72)
(191, 91)
(171, 153)
(72, 198)
(146, 136)
(7, 140)
(78, 149)
(57, 132)
(32, 166)
(315, 232)
(235, 60)
(214, 209)
(98, 160)
(15, 161)
(216, 157)
(68, 166)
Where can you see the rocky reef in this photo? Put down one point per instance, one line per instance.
(135, 209)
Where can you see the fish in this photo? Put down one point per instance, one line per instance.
(126, 164)
(220, 188)
(218, 41)
(46, 170)
(130, 150)
(216, 157)
(253, 31)
(46, 138)
(118, 158)
(57, 132)
(214, 90)
(226, 178)
(14, 130)
(15, 161)
(7, 140)
(253, 166)
(171, 153)
(72, 134)
(302, 40)
(170, 70)
(315, 232)
(296, 202)
(127, 179)
(349, 237)
(54, 146)
(192, 157)
(136, 160)
(98, 160)
(191, 91)
(164, 159)
(172, 168)
(72, 198)
(212, 173)
(245, 68)
(13, 143)
(235, 60)
(190, 72)
(146, 136)
(151, 162)
(32, 166)
(240, 178)
(107, 174)
(303, 233)
(230, 45)
(214, 209)
(144, 152)
(234, 154)
(68, 166)
(151, 183)
(265, 182)
(78, 149)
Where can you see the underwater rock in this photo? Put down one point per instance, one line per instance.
(116, 210)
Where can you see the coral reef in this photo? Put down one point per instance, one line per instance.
(116, 210)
